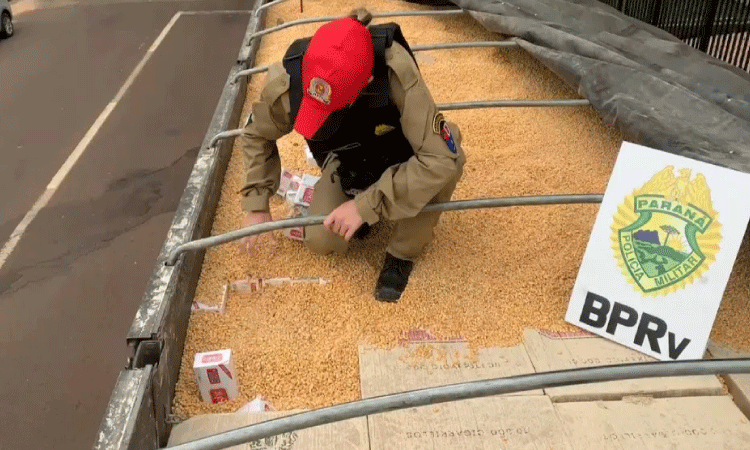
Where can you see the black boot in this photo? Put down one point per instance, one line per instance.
(393, 278)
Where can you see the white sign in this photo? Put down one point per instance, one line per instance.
(661, 252)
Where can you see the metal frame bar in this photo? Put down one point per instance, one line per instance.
(374, 16)
(253, 71)
(469, 105)
(416, 48)
(457, 205)
(452, 45)
(268, 5)
(129, 419)
(464, 391)
(513, 104)
(224, 135)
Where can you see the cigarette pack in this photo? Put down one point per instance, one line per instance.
(309, 156)
(198, 306)
(217, 380)
(290, 197)
(296, 233)
(294, 280)
(247, 286)
(306, 190)
(289, 182)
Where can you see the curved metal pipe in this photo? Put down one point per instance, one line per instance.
(435, 207)
(448, 45)
(463, 391)
(374, 16)
(224, 135)
(416, 48)
(268, 5)
(458, 106)
(248, 72)
(513, 104)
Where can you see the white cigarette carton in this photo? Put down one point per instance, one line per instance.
(295, 184)
(296, 233)
(216, 376)
(247, 285)
(309, 156)
(257, 405)
(309, 180)
(289, 182)
(306, 190)
(290, 197)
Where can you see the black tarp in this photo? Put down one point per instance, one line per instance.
(657, 90)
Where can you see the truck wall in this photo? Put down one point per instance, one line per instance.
(137, 416)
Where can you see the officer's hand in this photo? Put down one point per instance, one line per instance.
(344, 220)
(248, 243)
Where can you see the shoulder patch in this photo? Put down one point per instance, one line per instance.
(448, 138)
(437, 123)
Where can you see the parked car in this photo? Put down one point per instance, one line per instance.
(6, 19)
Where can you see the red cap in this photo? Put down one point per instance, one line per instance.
(335, 69)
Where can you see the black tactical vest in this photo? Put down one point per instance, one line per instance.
(369, 139)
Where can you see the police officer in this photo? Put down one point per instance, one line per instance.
(355, 93)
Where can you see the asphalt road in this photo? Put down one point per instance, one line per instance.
(69, 291)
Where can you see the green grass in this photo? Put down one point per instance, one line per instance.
(657, 259)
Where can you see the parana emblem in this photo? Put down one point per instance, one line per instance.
(666, 234)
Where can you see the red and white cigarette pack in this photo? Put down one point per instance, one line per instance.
(290, 196)
(247, 285)
(216, 376)
(306, 190)
(296, 233)
(289, 182)
(299, 201)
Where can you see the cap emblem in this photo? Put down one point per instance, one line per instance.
(320, 90)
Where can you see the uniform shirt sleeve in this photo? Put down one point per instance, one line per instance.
(268, 121)
(403, 190)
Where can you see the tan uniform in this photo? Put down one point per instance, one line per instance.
(402, 191)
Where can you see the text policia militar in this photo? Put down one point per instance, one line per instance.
(599, 312)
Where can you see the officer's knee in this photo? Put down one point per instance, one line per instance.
(316, 246)
(323, 242)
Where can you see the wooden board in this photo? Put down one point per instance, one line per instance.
(347, 435)
(738, 384)
(423, 365)
(688, 423)
(557, 352)
(502, 423)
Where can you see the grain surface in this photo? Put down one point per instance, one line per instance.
(486, 276)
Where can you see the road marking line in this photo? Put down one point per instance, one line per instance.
(54, 184)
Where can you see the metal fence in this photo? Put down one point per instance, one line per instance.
(720, 28)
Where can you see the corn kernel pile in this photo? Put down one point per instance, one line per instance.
(487, 275)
